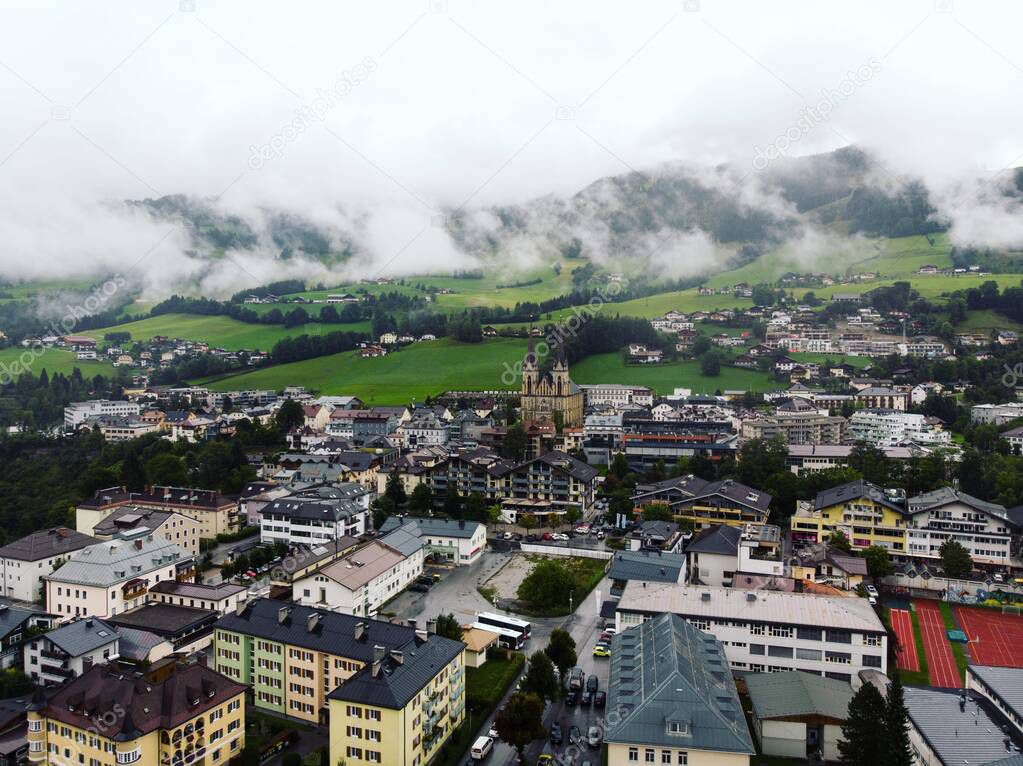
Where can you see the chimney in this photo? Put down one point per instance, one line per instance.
(412, 623)
(379, 652)
(312, 621)
(360, 630)
(398, 657)
(239, 608)
(431, 627)
(88, 622)
(282, 614)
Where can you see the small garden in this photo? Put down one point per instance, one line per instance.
(554, 587)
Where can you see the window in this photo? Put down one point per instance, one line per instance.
(634, 754)
(778, 631)
(808, 634)
(839, 636)
(809, 654)
(756, 630)
(870, 661)
(757, 648)
(683, 758)
(648, 755)
(780, 651)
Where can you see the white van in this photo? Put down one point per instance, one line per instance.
(481, 748)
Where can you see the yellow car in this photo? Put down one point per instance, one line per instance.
(601, 651)
(545, 759)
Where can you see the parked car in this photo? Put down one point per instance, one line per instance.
(872, 591)
(605, 637)
(556, 736)
(548, 535)
(545, 759)
(592, 683)
(571, 699)
(419, 587)
(600, 650)
(574, 735)
(600, 699)
(582, 529)
(531, 538)
(586, 699)
(593, 737)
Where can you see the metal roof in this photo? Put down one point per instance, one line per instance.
(1006, 683)
(46, 543)
(116, 560)
(958, 734)
(430, 526)
(82, 636)
(673, 687)
(647, 565)
(795, 693)
(720, 539)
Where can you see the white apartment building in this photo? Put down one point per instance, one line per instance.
(889, 428)
(77, 413)
(311, 521)
(25, 562)
(999, 414)
(617, 395)
(767, 631)
(983, 528)
(112, 577)
(452, 541)
(363, 580)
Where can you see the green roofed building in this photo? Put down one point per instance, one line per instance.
(797, 714)
(671, 698)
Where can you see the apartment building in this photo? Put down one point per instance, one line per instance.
(814, 458)
(112, 577)
(214, 512)
(171, 714)
(983, 528)
(799, 427)
(861, 511)
(311, 521)
(705, 503)
(170, 525)
(294, 656)
(222, 598)
(763, 631)
(77, 413)
(402, 706)
(890, 428)
(999, 414)
(26, 561)
(883, 398)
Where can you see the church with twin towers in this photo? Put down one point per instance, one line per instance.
(550, 394)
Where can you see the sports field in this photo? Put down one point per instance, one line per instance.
(995, 638)
(906, 656)
(940, 659)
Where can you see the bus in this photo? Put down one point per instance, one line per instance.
(503, 621)
(507, 639)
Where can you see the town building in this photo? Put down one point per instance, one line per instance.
(402, 706)
(215, 513)
(108, 578)
(26, 561)
(1002, 686)
(883, 398)
(863, 512)
(170, 525)
(447, 541)
(984, 529)
(222, 598)
(16, 624)
(769, 630)
(676, 699)
(948, 727)
(303, 520)
(360, 582)
(188, 630)
(616, 395)
(477, 643)
(801, 423)
(798, 715)
(77, 413)
(704, 503)
(999, 414)
(890, 428)
(813, 458)
(68, 651)
(171, 714)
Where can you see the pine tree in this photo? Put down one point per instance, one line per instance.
(898, 751)
(863, 737)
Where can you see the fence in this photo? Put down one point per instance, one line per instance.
(568, 551)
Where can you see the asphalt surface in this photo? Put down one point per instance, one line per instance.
(456, 593)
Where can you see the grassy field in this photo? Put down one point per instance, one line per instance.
(412, 373)
(987, 320)
(221, 331)
(665, 378)
(53, 360)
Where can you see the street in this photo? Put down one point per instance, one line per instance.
(456, 593)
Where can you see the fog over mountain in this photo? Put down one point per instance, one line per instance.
(207, 145)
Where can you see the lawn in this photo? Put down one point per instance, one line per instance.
(221, 331)
(985, 321)
(585, 573)
(665, 378)
(415, 372)
(958, 649)
(53, 360)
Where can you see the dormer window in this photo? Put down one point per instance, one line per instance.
(678, 727)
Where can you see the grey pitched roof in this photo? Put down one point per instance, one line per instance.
(81, 636)
(665, 671)
(13, 617)
(403, 540)
(397, 682)
(312, 509)
(854, 490)
(721, 539)
(429, 526)
(957, 736)
(793, 692)
(59, 541)
(334, 632)
(651, 566)
(114, 561)
(129, 517)
(1006, 683)
(946, 495)
(136, 644)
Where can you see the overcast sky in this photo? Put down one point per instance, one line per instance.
(463, 104)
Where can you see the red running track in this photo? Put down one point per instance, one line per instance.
(906, 658)
(940, 662)
(995, 638)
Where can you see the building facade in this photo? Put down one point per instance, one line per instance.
(550, 395)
